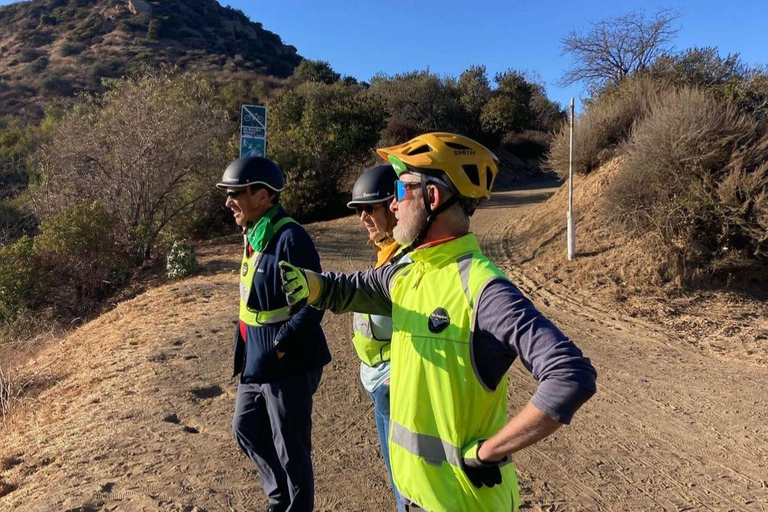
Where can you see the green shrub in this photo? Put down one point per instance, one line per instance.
(603, 126)
(418, 102)
(47, 19)
(15, 220)
(29, 54)
(94, 25)
(180, 260)
(59, 85)
(69, 48)
(508, 109)
(38, 65)
(318, 134)
(529, 145)
(315, 71)
(695, 178)
(84, 255)
(19, 278)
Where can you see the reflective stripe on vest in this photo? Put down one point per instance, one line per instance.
(432, 449)
(250, 316)
(442, 408)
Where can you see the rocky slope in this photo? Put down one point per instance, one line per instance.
(56, 48)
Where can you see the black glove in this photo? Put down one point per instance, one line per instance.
(479, 472)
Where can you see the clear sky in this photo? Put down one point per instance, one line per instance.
(363, 37)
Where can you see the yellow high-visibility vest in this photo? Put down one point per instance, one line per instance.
(248, 268)
(440, 409)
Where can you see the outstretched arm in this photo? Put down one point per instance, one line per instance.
(362, 292)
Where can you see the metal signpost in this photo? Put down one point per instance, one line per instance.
(571, 235)
(253, 131)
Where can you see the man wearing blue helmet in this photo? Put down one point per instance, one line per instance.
(279, 357)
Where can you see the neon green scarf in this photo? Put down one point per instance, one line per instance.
(260, 233)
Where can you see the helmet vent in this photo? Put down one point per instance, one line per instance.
(457, 146)
(488, 178)
(419, 150)
(472, 173)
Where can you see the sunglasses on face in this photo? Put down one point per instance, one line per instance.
(367, 208)
(401, 188)
(233, 194)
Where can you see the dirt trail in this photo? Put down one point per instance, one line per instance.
(134, 409)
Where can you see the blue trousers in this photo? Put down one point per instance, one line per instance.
(380, 397)
(273, 427)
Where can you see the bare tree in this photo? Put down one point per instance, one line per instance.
(617, 47)
(150, 149)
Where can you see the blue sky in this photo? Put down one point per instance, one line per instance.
(363, 37)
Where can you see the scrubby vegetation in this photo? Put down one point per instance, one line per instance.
(692, 132)
(180, 261)
(110, 156)
(149, 148)
(321, 133)
(109, 183)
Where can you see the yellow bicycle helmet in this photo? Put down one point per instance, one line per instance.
(470, 166)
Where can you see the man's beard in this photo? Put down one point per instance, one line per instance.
(408, 228)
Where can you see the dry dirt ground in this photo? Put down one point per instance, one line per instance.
(132, 411)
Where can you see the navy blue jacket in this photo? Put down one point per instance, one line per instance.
(301, 337)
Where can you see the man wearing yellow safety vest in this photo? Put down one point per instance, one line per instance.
(279, 357)
(458, 324)
(371, 196)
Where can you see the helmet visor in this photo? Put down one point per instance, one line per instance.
(398, 164)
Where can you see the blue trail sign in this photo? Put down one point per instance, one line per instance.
(253, 130)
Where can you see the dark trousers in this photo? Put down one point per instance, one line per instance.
(273, 427)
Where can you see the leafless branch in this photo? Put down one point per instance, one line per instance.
(617, 47)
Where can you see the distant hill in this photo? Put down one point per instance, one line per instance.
(55, 48)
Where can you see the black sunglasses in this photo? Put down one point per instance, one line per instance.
(367, 208)
(233, 194)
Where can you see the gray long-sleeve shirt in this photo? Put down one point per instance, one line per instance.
(507, 326)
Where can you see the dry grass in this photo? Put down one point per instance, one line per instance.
(603, 126)
(695, 182)
(628, 274)
(11, 389)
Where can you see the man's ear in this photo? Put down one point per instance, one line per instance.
(435, 195)
(263, 196)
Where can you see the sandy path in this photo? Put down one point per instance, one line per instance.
(134, 409)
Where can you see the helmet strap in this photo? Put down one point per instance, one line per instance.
(431, 214)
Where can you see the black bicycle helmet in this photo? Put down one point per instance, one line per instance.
(374, 186)
(252, 170)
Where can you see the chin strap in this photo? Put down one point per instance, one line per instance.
(431, 214)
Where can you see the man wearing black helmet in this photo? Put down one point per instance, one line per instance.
(279, 357)
(371, 195)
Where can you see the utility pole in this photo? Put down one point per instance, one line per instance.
(571, 234)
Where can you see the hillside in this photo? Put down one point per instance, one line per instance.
(720, 319)
(132, 411)
(56, 48)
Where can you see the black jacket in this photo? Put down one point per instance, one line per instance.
(301, 337)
